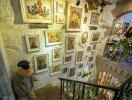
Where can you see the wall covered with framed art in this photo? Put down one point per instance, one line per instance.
(62, 48)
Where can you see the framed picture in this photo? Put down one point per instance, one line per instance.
(90, 59)
(95, 37)
(37, 11)
(60, 19)
(83, 39)
(86, 7)
(60, 7)
(80, 65)
(55, 69)
(68, 59)
(56, 54)
(88, 49)
(74, 18)
(94, 18)
(65, 70)
(70, 46)
(79, 57)
(33, 43)
(53, 37)
(72, 71)
(94, 47)
(41, 62)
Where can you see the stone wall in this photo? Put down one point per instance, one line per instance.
(13, 31)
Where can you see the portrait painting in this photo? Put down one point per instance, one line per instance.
(55, 69)
(33, 43)
(79, 57)
(37, 11)
(53, 37)
(95, 37)
(74, 18)
(83, 39)
(72, 71)
(60, 19)
(60, 7)
(41, 62)
(94, 18)
(56, 54)
(70, 46)
(68, 59)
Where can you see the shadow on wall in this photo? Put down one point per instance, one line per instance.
(17, 11)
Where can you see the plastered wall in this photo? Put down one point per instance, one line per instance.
(13, 31)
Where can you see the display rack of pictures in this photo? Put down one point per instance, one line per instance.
(74, 17)
(37, 11)
(41, 63)
(53, 37)
(33, 43)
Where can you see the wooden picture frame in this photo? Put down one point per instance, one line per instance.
(56, 54)
(74, 17)
(55, 69)
(32, 42)
(70, 43)
(37, 11)
(68, 59)
(41, 62)
(95, 37)
(94, 18)
(53, 38)
(79, 57)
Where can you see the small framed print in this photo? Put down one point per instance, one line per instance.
(55, 69)
(89, 49)
(65, 70)
(53, 37)
(70, 43)
(60, 7)
(80, 65)
(33, 43)
(90, 59)
(79, 57)
(60, 19)
(95, 37)
(68, 59)
(41, 62)
(83, 39)
(94, 18)
(56, 54)
(72, 71)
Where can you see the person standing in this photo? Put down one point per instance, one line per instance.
(22, 82)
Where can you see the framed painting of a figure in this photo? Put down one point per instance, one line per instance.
(56, 54)
(74, 18)
(70, 43)
(72, 71)
(95, 37)
(53, 37)
(79, 57)
(41, 62)
(68, 59)
(33, 43)
(94, 18)
(37, 11)
(55, 69)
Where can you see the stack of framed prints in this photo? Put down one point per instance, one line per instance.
(37, 11)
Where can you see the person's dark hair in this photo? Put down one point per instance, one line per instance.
(24, 64)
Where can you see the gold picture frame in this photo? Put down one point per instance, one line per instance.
(32, 42)
(41, 63)
(56, 54)
(53, 38)
(74, 17)
(37, 11)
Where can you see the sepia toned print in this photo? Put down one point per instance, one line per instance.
(94, 18)
(74, 18)
(41, 63)
(56, 54)
(67, 59)
(37, 11)
(70, 43)
(55, 69)
(79, 56)
(32, 42)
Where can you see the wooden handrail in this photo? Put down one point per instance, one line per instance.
(91, 84)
